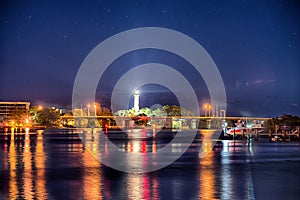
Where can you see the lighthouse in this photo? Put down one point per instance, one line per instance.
(136, 103)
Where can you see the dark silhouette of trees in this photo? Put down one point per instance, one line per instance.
(48, 117)
(286, 122)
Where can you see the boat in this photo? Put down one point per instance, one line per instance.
(241, 127)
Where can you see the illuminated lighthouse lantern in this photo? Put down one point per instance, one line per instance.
(136, 103)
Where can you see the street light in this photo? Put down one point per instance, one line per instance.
(95, 109)
(205, 109)
(88, 109)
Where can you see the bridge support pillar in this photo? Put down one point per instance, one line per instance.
(256, 135)
(270, 135)
(243, 134)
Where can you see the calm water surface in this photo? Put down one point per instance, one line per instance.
(57, 165)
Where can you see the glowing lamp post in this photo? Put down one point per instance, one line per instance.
(95, 109)
(205, 110)
(89, 109)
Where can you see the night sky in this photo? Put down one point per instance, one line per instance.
(255, 45)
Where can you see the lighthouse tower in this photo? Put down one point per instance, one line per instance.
(136, 103)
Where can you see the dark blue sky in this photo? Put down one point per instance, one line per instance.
(255, 45)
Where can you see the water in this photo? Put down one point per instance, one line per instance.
(55, 165)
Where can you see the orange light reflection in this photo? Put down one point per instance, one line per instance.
(40, 159)
(92, 183)
(13, 189)
(27, 176)
(207, 177)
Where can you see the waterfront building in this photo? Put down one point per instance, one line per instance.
(9, 110)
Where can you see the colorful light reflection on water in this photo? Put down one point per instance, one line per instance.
(54, 165)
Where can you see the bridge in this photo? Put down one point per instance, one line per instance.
(163, 117)
(211, 122)
(187, 122)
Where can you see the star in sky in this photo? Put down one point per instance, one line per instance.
(46, 42)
